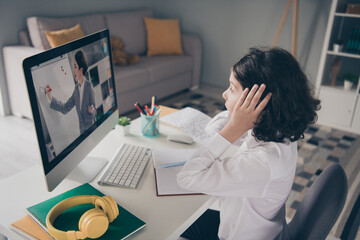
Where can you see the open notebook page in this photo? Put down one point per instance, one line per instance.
(190, 121)
(165, 178)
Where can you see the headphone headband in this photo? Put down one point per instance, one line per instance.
(67, 204)
(102, 221)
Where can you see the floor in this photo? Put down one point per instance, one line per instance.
(18, 145)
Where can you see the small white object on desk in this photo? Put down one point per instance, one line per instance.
(180, 138)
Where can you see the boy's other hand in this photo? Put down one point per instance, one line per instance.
(245, 113)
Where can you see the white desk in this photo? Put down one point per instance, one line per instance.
(165, 217)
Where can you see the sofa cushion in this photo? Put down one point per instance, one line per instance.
(162, 67)
(37, 27)
(130, 27)
(59, 37)
(163, 36)
(130, 77)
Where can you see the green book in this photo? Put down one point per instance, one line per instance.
(122, 227)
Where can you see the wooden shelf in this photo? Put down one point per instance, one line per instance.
(344, 54)
(338, 106)
(347, 15)
(337, 88)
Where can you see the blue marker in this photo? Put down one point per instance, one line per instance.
(172, 164)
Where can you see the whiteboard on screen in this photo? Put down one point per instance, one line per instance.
(63, 129)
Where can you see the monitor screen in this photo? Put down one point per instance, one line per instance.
(73, 100)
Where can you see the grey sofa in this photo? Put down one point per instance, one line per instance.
(156, 75)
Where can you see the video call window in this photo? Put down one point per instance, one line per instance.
(73, 93)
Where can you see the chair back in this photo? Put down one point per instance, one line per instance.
(321, 205)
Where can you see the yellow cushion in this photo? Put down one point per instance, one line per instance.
(163, 36)
(63, 36)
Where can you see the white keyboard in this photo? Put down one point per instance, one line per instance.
(127, 167)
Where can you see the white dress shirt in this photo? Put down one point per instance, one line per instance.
(251, 185)
(81, 91)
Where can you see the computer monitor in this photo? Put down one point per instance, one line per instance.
(73, 100)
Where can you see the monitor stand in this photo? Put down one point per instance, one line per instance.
(87, 169)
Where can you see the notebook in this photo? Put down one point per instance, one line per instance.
(122, 227)
(28, 228)
(165, 178)
(191, 121)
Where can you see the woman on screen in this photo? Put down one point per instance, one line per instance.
(83, 97)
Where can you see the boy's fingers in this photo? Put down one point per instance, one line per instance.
(250, 96)
(257, 96)
(263, 103)
(242, 98)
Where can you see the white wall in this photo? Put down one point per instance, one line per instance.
(228, 28)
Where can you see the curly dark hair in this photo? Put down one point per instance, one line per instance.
(292, 107)
(81, 62)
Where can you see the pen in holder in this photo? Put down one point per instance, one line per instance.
(150, 125)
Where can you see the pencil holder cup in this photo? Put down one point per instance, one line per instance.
(150, 125)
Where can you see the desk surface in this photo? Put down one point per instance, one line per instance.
(165, 217)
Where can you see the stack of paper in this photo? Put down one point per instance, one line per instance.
(28, 228)
(190, 121)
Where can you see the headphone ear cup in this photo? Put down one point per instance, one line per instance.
(113, 206)
(94, 223)
(109, 206)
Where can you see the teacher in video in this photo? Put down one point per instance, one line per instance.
(83, 97)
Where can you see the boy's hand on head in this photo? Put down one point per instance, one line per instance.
(245, 113)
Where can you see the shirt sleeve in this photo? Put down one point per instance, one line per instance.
(245, 174)
(217, 123)
(64, 108)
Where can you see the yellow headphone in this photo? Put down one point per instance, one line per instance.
(92, 224)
